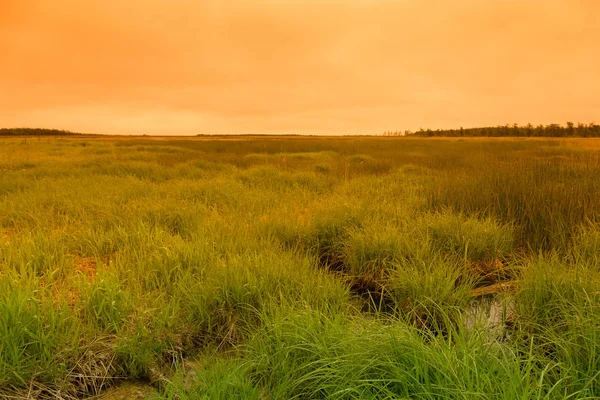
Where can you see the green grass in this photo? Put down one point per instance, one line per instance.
(337, 268)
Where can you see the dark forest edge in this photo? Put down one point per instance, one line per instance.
(35, 132)
(570, 129)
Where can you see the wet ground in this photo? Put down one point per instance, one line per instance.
(128, 391)
(143, 391)
(490, 313)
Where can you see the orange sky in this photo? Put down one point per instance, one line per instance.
(296, 66)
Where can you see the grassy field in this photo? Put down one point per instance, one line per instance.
(300, 268)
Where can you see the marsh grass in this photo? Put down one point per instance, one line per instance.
(313, 267)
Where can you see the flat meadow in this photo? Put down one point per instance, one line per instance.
(300, 267)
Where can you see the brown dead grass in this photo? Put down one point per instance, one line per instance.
(94, 371)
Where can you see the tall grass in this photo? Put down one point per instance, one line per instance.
(300, 268)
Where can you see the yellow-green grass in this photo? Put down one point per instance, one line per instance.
(309, 267)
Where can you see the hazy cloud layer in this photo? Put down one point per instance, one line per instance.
(275, 66)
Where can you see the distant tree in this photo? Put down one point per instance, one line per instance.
(34, 132)
(528, 130)
(551, 130)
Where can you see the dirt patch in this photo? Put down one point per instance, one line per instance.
(62, 296)
(7, 235)
(87, 266)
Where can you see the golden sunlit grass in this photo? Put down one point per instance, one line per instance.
(303, 267)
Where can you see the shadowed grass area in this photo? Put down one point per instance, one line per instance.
(300, 267)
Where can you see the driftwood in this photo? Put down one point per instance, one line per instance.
(494, 289)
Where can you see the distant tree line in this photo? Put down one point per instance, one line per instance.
(552, 130)
(34, 132)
